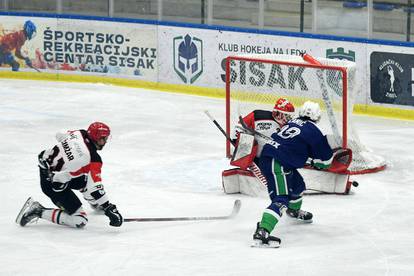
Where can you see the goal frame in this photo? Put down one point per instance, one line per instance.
(311, 63)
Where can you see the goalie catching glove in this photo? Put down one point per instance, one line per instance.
(342, 158)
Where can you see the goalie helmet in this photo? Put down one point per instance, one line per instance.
(283, 111)
(98, 130)
(310, 110)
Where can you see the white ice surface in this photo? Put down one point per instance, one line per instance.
(165, 159)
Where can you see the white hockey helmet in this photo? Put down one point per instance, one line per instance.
(310, 110)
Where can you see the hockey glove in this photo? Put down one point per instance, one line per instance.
(114, 216)
(310, 164)
(42, 161)
(341, 160)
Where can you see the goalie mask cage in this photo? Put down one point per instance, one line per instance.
(257, 81)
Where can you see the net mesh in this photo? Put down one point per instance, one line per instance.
(257, 81)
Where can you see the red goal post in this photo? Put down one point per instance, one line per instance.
(257, 81)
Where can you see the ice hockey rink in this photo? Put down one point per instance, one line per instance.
(165, 159)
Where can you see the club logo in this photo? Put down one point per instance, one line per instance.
(188, 58)
(387, 80)
(340, 54)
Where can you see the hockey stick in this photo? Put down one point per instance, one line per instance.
(253, 131)
(36, 69)
(253, 167)
(219, 127)
(234, 212)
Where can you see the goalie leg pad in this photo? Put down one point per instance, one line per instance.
(326, 182)
(244, 182)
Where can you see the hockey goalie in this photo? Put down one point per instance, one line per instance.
(255, 130)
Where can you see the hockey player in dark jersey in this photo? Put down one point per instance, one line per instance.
(72, 164)
(13, 42)
(297, 143)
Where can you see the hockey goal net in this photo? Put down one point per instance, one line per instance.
(257, 81)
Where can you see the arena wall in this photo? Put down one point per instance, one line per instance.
(146, 53)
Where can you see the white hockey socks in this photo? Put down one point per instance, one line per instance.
(78, 219)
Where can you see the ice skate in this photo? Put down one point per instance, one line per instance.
(301, 215)
(30, 211)
(261, 238)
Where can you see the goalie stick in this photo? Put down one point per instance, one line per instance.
(219, 127)
(234, 212)
(253, 167)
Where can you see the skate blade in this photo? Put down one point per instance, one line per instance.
(26, 205)
(299, 221)
(260, 244)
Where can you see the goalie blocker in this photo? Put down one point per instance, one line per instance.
(334, 180)
(245, 151)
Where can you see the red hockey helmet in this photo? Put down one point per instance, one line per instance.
(283, 111)
(98, 130)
